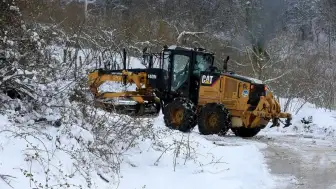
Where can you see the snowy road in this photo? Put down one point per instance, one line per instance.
(311, 161)
(298, 162)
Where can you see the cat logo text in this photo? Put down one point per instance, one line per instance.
(207, 79)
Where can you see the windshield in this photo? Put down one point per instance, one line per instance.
(203, 62)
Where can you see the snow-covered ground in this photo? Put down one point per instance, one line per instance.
(31, 157)
(169, 159)
(323, 122)
(208, 164)
(172, 160)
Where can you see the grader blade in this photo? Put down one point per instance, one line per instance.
(127, 106)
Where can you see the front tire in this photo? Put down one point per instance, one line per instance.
(214, 119)
(245, 132)
(180, 114)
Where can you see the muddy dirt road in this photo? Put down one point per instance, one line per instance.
(311, 161)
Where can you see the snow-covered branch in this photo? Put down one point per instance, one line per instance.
(276, 78)
(185, 34)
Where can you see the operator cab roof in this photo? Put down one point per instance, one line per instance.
(174, 47)
(244, 78)
(181, 48)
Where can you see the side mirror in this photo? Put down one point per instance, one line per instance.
(225, 66)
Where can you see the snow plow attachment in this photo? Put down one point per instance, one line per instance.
(268, 109)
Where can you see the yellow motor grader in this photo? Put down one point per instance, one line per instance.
(191, 91)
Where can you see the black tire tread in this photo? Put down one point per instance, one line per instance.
(189, 119)
(224, 119)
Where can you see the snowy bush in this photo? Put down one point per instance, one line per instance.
(22, 58)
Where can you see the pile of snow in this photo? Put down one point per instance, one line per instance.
(116, 87)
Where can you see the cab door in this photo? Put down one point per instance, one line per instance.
(166, 71)
(181, 62)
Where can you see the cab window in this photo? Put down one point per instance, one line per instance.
(203, 62)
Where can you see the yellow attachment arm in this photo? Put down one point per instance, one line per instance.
(268, 108)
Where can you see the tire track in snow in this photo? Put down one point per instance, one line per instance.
(311, 161)
(296, 161)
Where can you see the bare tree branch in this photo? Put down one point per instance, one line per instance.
(6, 179)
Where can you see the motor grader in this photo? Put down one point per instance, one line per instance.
(191, 91)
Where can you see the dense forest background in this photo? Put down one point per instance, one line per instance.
(289, 44)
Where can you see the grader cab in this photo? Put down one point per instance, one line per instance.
(191, 91)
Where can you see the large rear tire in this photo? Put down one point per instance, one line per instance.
(180, 114)
(214, 119)
(245, 132)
